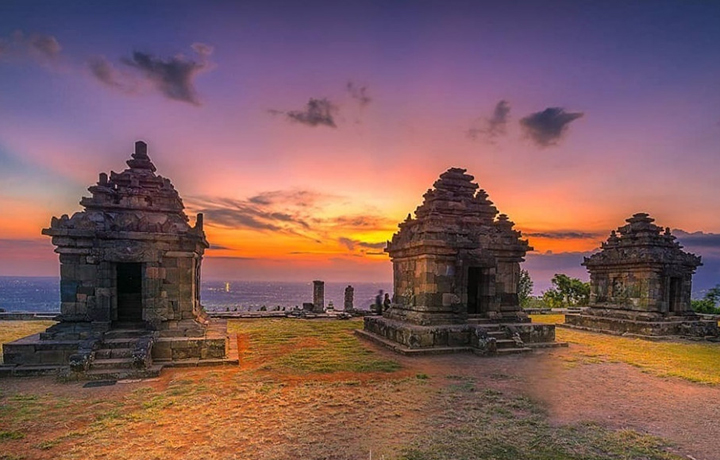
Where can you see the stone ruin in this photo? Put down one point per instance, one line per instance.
(349, 297)
(318, 296)
(640, 285)
(130, 268)
(456, 268)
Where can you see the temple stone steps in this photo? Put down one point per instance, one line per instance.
(114, 359)
(108, 353)
(122, 374)
(125, 333)
(112, 363)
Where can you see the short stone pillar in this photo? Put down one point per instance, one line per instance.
(318, 296)
(349, 294)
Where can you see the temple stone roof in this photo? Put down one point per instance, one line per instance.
(135, 200)
(457, 215)
(641, 242)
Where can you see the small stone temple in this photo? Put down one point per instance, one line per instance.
(640, 285)
(130, 266)
(456, 268)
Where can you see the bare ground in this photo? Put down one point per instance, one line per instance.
(614, 395)
(257, 413)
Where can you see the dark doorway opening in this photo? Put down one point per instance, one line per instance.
(675, 295)
(477, 291)
(129, 292)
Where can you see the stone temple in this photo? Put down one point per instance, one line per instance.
(456, 268)
(640, 285)
(130, 268)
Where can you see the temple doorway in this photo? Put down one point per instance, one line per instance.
(129, 292)
(478, 289)
(674, 297)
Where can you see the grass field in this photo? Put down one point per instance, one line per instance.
(312, 390)
(694, 361)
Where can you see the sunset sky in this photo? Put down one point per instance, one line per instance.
(305, 131)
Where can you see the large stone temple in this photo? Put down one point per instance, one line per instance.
(640, 285)
(456, 268)
(130, 266)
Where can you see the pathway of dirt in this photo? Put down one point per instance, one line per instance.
(615, 395)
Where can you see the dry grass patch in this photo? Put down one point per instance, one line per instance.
(306, 347)
(306, 389)
(694, 361)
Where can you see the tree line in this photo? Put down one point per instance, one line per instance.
(567, 292)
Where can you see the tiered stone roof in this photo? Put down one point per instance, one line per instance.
(135, 200)
(457, 215)
(641, 242)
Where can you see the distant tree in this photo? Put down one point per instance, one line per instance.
(524, 289)
(708, 304)
(567, 292)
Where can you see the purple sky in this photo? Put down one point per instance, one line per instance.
(572, 115)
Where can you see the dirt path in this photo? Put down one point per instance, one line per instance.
(614, 395)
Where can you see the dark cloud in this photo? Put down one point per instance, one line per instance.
(104, 71)
(546, 128)
(317, 112)
(352, 244)
(566, 235)
(493, 126)
(359, 93)
(174, 77)
(301, 198)
(699, 241)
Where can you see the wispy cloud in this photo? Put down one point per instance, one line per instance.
(301, 213)
(362, 222)
(352, 244)
(278, 211)
(359, 93)
(547, 128)
(566, 235)
(44, 49)
(173, 77)
(493, 126)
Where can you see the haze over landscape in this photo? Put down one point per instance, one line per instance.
(306, 133)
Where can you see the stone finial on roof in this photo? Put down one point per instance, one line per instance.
(140, 159)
